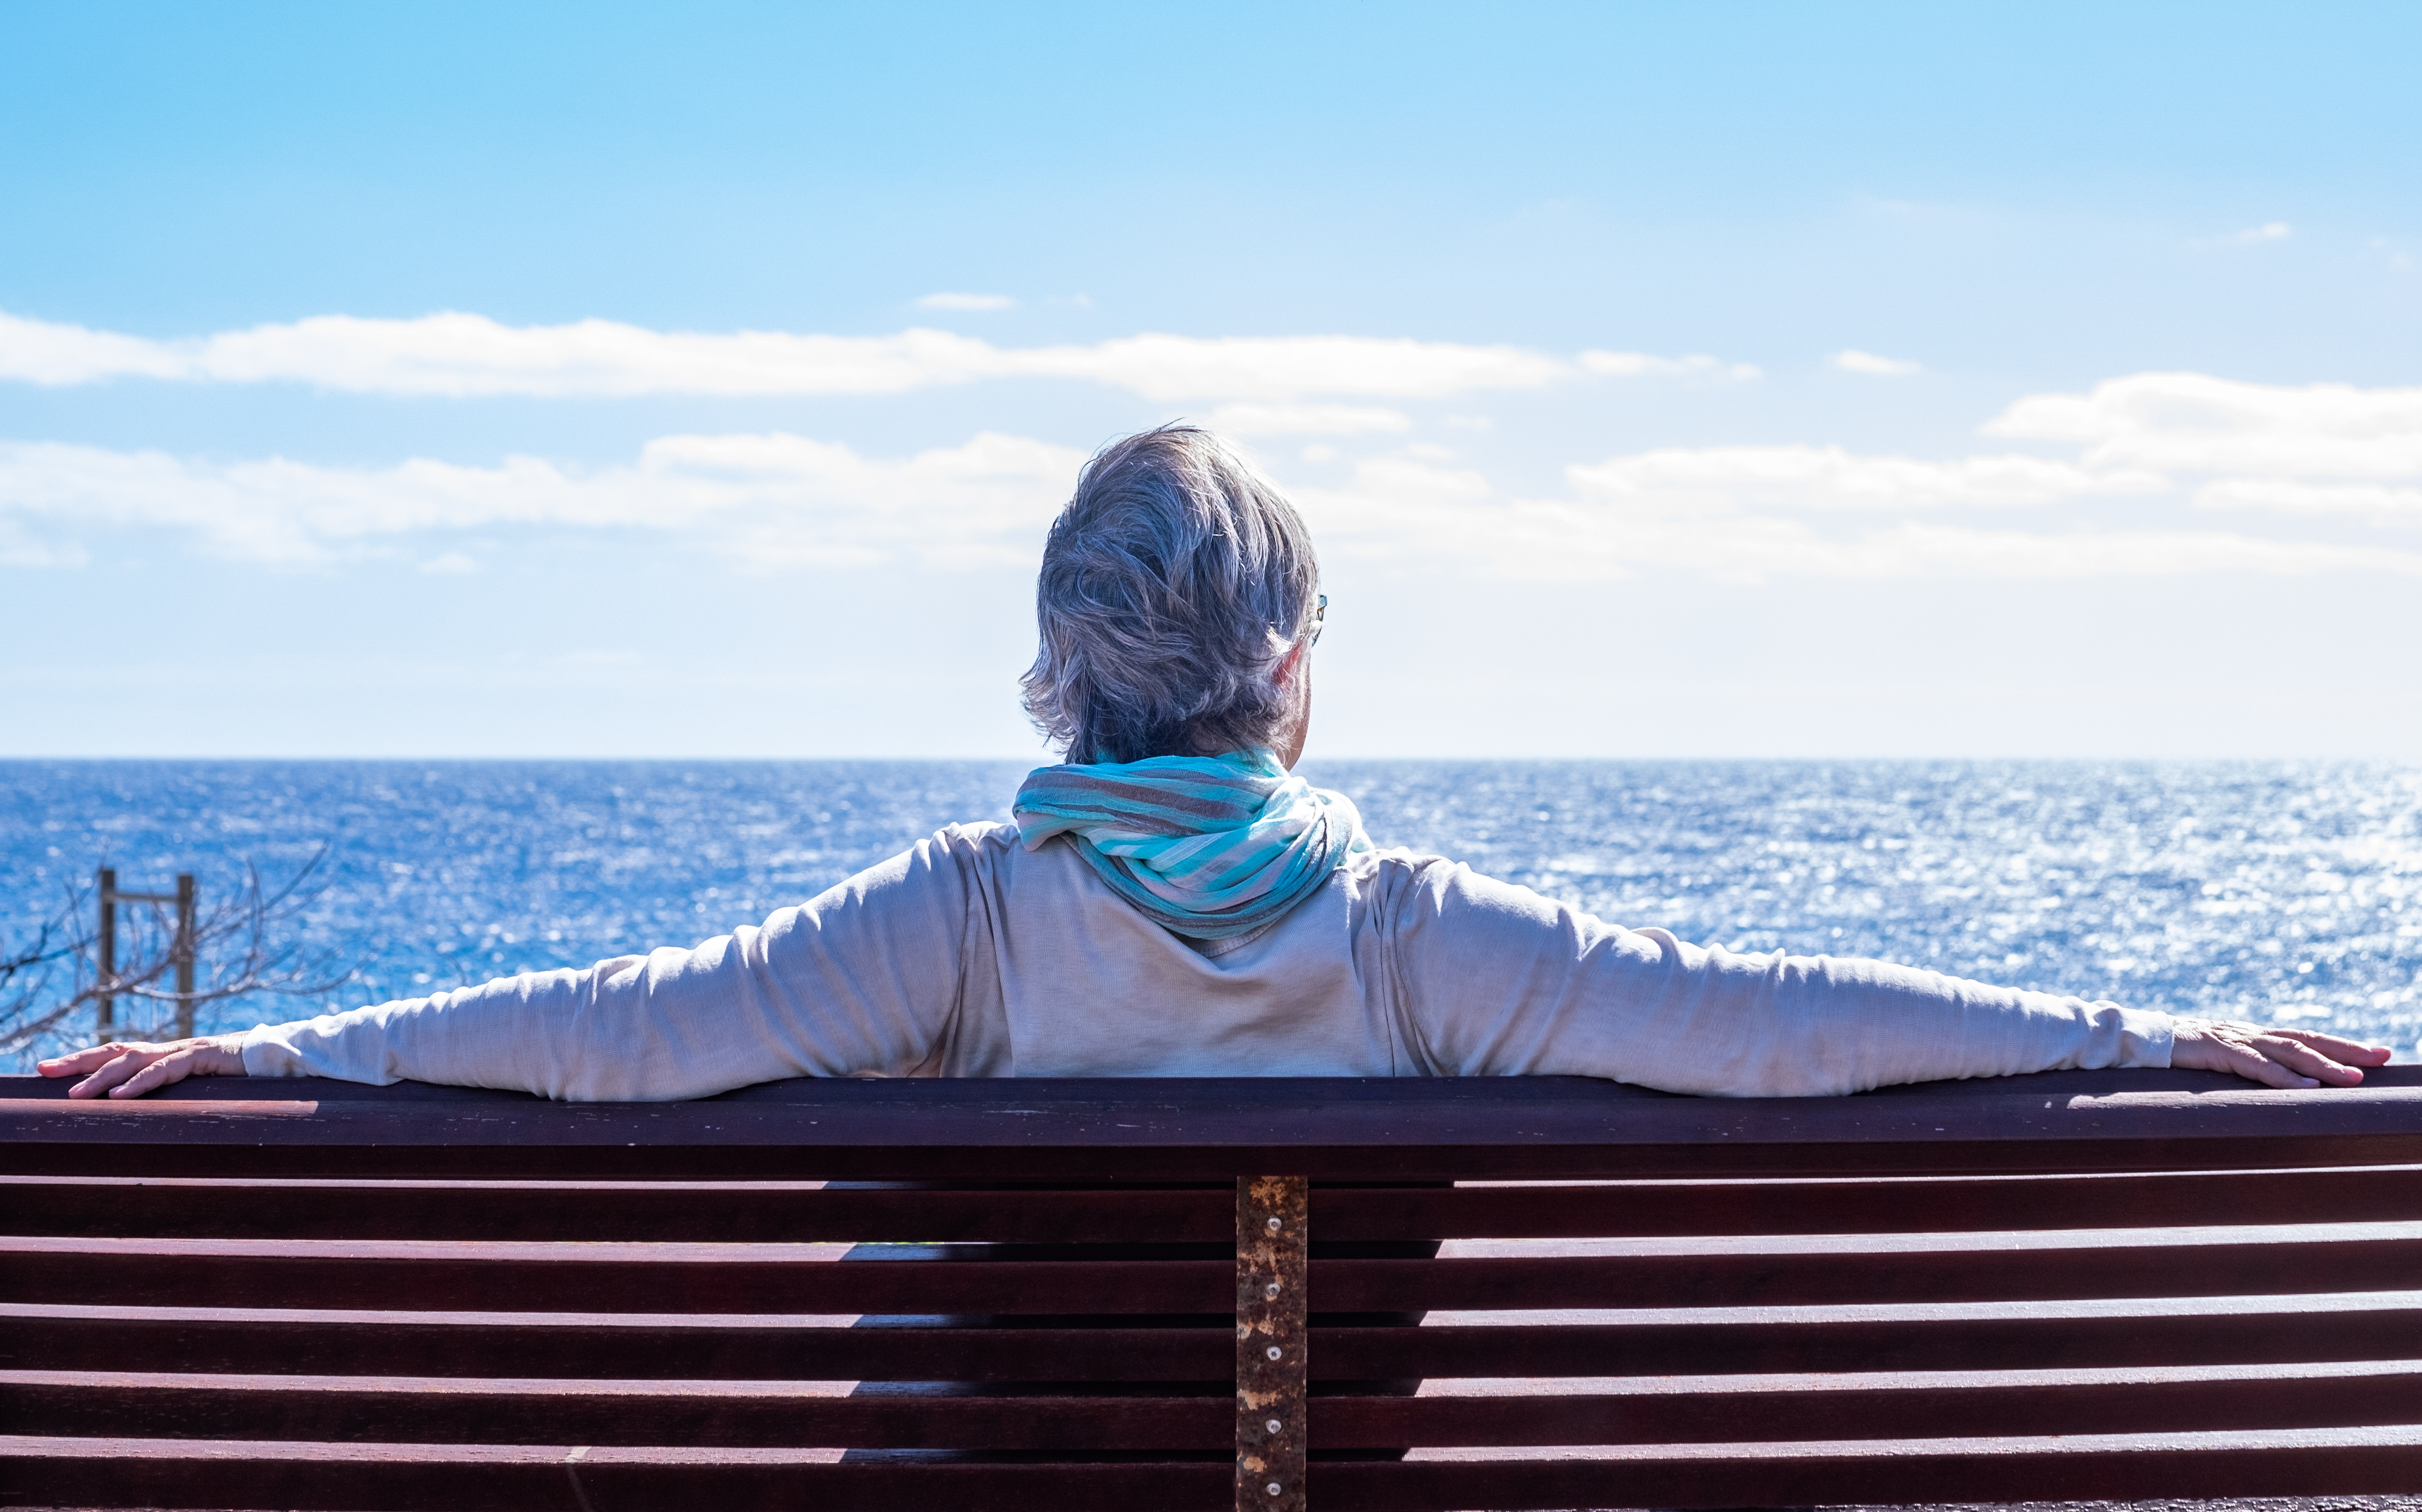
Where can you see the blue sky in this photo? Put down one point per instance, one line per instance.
(1689, 380)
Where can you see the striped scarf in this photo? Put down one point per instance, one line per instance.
(1209, 847)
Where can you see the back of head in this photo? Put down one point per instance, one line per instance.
(1172, 584)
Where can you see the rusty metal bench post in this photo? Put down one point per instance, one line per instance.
(1272, 1371)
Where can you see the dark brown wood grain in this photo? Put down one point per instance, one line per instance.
(1847, 1270)
(434, 1478)
(138, 1473)
(2228, 1331)
(2056, 1338)
(2311, 1462)
(1024, 1294)
(469, 1276)
(760, 1212)
(472, 1275)
(386, 1409)
(337, 1408)
(1867, 1405)
(1184, 1129)
(705, 1211)
(600, 1346)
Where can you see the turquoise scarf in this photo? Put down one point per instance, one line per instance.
(1209, 847)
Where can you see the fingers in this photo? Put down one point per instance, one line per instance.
(130, 1069)
(2348, 1052)
(2293, 1058)
(174, 1067)
(118, 1070)
(2293, 1053)
(2244, 1056)
(83, 1061)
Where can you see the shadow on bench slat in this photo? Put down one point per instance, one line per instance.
(2229, 1331)
(766, 1212)
(471, 1275)
(457, 1478)
(1518, 1412)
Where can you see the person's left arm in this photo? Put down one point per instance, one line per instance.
(1498, 980)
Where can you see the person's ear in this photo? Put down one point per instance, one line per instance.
(1289, 664)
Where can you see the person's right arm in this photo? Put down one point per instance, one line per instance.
(861, 980)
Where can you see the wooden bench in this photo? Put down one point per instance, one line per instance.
(298, 1294)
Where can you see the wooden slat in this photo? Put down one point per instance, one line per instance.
(388, 1409)
(467, 1275)
(601, 1346)
(765, 1212)
(343, 1408)
(1159, 1130)
(700, 1211)
(163, 1472)
(173, 1472)
(2084, 1467)
(459, 1275)
(1883, 1406)
(1856, 1270)
(2051, 1337)
(2223, 1331)
(1909, 1205)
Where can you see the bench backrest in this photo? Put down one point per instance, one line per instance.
(1545, 1292)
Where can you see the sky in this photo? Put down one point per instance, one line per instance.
(1659, 381)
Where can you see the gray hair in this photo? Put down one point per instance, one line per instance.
(1172, 584)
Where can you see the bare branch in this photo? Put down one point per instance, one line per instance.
(242, 941)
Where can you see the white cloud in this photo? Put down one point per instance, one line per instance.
(768, 500)
(461, 355)
(2309, 498)
(2191, 423)
(966, 301)
(2157, 449)
(1403, 509)
(1640, 364)
(1866, 364)
(1307, 420)
(1829, 477)
(2267, 231)
(2156, 454)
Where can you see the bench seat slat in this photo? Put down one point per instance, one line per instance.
(1162, 1130)
(700, 1415)
(763, 1212)
(1853, 1275)
(2078, 1468)
(745, 1279)
(400, 1477)
(161, 1272)
(826, 1413)
(601, 1346)
(497, 1478)
(1767, 1346)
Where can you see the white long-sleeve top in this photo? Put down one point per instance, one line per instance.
(969, 956)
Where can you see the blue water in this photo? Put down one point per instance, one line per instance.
(2277, 890)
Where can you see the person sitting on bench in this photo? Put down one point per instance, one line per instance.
(1174, 902)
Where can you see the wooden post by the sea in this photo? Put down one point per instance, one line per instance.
(106, 962)
(184, 954)
(182, 949)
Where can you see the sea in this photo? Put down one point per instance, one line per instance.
(2277, 892)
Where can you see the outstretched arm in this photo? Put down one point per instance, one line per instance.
(1496, 980)
(861, 980)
